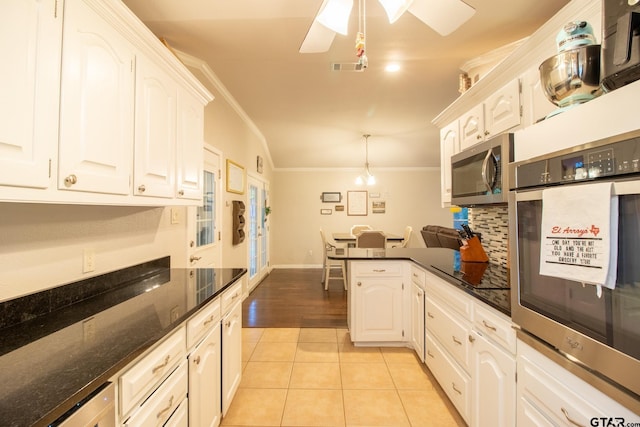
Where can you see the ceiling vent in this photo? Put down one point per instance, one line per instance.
(348, 66)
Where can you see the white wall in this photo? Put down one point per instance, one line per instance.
(412, 198)
(41, 246)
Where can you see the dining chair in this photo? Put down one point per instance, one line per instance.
(328, 263)
(371, 239)
(356, 229)
(405, 237)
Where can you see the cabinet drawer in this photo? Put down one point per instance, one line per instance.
(377, 268)
(202, 322)
(231, 296)
(551, 397)
(158, 408)
(498, 328)
(455, 298)
(452, 379)
(418, 276)
(452, 332)
(180, 417)
(139, 381)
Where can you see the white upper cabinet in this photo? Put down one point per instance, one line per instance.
(449, 145)
(498, 113)
(31, 41)
(189, 155)
(155, 124)
(96, 108)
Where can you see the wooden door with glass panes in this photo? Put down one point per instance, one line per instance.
(258, 230)
(204, 243)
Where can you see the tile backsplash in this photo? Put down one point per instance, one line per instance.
(493, 223)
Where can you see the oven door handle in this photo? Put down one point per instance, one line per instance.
(485, 171)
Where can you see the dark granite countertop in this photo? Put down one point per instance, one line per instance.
(53, 360)
(487, 282)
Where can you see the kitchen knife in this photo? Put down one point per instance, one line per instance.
(467, 230)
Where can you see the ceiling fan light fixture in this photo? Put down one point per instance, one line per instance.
(335, 15)
(395, 8)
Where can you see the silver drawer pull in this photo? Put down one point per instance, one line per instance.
(236, 295)
(430, 315)
(566, 415)
(209, 320)
(379, 271)
(488, 326)
(430, 354)
(193, 258)
(197, 360)
(161, 366)
(472, 338)
(455, 388)
(456, 340)
(165, 410)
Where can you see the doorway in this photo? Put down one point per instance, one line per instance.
(205, 249)
(258, 245)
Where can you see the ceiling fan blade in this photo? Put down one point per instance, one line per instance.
(444, 16)
(318, 39)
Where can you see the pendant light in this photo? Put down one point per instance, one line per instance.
(367, 178)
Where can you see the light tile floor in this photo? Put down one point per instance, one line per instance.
(316, 377)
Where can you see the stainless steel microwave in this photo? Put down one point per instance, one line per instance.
(479, 173)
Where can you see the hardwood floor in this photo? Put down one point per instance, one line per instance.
(295, 298)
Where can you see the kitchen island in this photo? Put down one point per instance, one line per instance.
(60, 345)
(488, 282)
(455, 315)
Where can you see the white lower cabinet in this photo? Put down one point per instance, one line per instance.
(494, 384)
(204, 381)
(158, 408)
(470, 349)
(548, 394)
(231, 353)
(379, 309)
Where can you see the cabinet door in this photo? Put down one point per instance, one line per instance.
(535, 105)
(155, 124)
(494, 384)
(417, 320)
(472, 127)
(378, 310)
(189, 152)
(96, 108)
(502, 109)
(204, 381)
(449, 145)
(30, 40)
(231, 355)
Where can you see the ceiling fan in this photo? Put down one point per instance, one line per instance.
(444, 16)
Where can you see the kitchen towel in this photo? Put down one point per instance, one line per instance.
(579, 238)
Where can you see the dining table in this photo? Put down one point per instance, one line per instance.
(350, 238)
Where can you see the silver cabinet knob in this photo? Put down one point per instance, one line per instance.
(142, 188)
(70, 180)
(181, 193)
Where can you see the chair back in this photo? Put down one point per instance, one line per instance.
(357, 229)
(406, 236)
(371, 239)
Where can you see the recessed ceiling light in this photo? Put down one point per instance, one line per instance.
(392, 68)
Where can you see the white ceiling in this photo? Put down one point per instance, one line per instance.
(313, 117)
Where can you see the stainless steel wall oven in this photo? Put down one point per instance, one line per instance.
(597, 337)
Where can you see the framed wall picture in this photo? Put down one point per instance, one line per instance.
(357, 202)
(331, 197)
(235, 177)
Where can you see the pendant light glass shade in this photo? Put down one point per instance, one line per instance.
(367, 178)
(395, 8)
(335, 15)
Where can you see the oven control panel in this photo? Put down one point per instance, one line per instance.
(588, 163)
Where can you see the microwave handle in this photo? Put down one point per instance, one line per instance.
(485, 170)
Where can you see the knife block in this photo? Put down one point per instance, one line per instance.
(472, 251)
